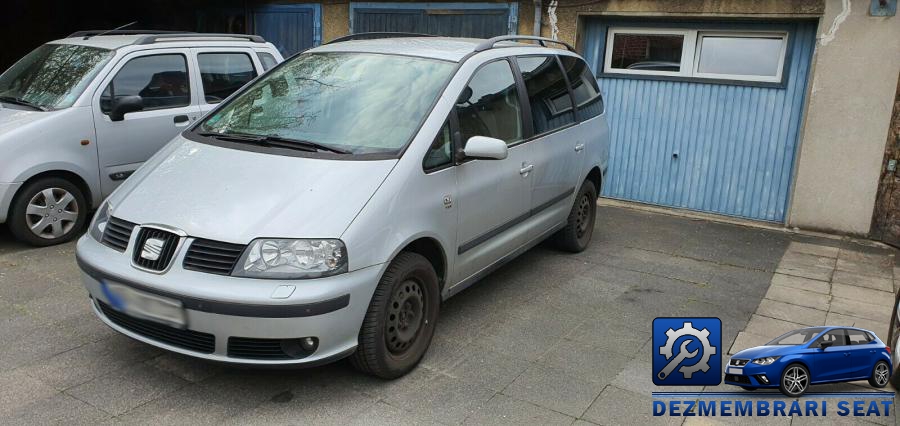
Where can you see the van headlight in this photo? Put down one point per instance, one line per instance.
(294, 258)
(98, 224)
(766, 361)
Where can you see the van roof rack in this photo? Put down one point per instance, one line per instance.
(489, 43)
(154, 38)
(377, 35)
(91, 33)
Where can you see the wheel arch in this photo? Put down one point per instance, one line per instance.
(68, 175)
(432, 250)
(596, 177)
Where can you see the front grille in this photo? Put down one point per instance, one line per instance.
(187, 339)
(250, 348)
(737, 379)
(738, 362)
(149, 254)
(117, 233)
(213, 257)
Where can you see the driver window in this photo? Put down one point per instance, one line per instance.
(161, 80)
(489, 106)
(839, 337)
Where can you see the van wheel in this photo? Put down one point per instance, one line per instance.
(794, 380)
(399, 324)
(579, 228)
(880, 375)
(48, 211)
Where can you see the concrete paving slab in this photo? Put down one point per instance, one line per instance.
(883, 258)
(820, 273)
(127, 388)
(488, 368)
(801, 283)
(860, 309)
(863, 268)
(770, 327)
(879, 328)
(798, 297)
(445, 399)
(746, 340)
(616, 406)
(637, 377)
(791, 313)
(382, 413)
(868, 281)
(555, 389)
(504, 410)
(813, 249)
(874, 297)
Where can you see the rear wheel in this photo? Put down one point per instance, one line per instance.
(579, 229)
(794, 380)
(880, 375)
(48, 211)
(399, 323)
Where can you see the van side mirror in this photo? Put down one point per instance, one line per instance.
(825, 345)
(124, 105)
(485, 148)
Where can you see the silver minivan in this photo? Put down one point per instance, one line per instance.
(326, 209)
(80, 114)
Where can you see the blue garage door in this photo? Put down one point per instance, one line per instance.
(480, 20)
(291, 28)
(703, 116)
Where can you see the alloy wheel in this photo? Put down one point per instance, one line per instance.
(881, 374)
(796, 380)
(406, 313)
(51, 213)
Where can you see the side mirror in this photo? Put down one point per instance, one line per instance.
(124, 105)
(825, 345)
(485, 148)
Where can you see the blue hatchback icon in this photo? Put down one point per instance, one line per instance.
(810, 356)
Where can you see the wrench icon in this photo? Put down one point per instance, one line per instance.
(683, 354)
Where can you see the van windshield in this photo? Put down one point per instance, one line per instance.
(360, 103)
(52, 76)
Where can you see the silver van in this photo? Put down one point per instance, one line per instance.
(326, 209)
(79, 115)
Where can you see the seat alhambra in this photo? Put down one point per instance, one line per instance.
(326, 209)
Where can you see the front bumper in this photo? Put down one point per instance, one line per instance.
(752, 375)
(7, 191)
(228, 309)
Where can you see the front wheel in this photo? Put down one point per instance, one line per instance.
(576, 236)
(794, 380)
(399, 323)
(48, 211)
(880, 375)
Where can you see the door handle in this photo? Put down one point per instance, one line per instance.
(579, 147)
(526, 169)
(181, 119)
(846, 353)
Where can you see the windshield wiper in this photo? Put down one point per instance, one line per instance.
(275, 141)
(20, 101)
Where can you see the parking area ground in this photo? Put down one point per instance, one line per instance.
(551, 338)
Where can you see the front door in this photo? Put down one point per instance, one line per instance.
(831, 363)
(161, 79)
(886, 220)
(493, 196)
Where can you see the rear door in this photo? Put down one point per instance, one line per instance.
(862, 353)
(161, 77)
(222, 71)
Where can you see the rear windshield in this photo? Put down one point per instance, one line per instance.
(359, 102)
(797, 337)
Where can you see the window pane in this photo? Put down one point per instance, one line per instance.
(584, 87)
(740, 55)
(839, 337)
(858, 337)
(161, 80)
(490, 105)
(268, 60)
(440, 153)
(548, 95)
(647, 52)
(223, 73)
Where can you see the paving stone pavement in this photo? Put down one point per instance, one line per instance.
(551, 338)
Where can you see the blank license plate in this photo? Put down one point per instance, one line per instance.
(732, 370)
(147, 306)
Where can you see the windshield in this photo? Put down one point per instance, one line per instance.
(52, 76)
(357, 102)
(797, 337)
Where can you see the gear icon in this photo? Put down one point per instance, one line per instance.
(701, 335)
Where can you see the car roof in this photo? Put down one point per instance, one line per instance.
(114, 42)
(443, 48)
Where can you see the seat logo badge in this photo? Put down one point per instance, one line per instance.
(152, 248)
(697, 358)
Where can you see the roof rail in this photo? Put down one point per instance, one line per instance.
(376, 35)
(90, 33)
(489, 43)
(153, 38)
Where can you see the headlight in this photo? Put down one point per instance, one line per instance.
(766, 361)
(98, 224)
(285, 259)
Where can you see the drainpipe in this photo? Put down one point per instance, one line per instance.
(537, 18)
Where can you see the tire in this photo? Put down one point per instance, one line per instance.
(43, 197)
(400, 321)
(799, 375)
(881, 375)
(748, 388)
(579, 228)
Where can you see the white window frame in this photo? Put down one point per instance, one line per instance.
(691, 51)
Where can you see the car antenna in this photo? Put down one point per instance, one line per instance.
(109, 31)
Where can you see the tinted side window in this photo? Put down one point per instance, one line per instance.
(161, 80)
(551, 105)
(489, 106)
(223, 73)
(268, 60)
(858, 337)
(584, 87)
(838, 336)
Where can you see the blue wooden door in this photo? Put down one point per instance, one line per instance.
(719, 146)
(291, 28)
(479, 20)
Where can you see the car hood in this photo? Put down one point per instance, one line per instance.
(236, 196)
(764, 351)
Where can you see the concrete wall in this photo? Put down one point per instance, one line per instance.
(847, 119)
